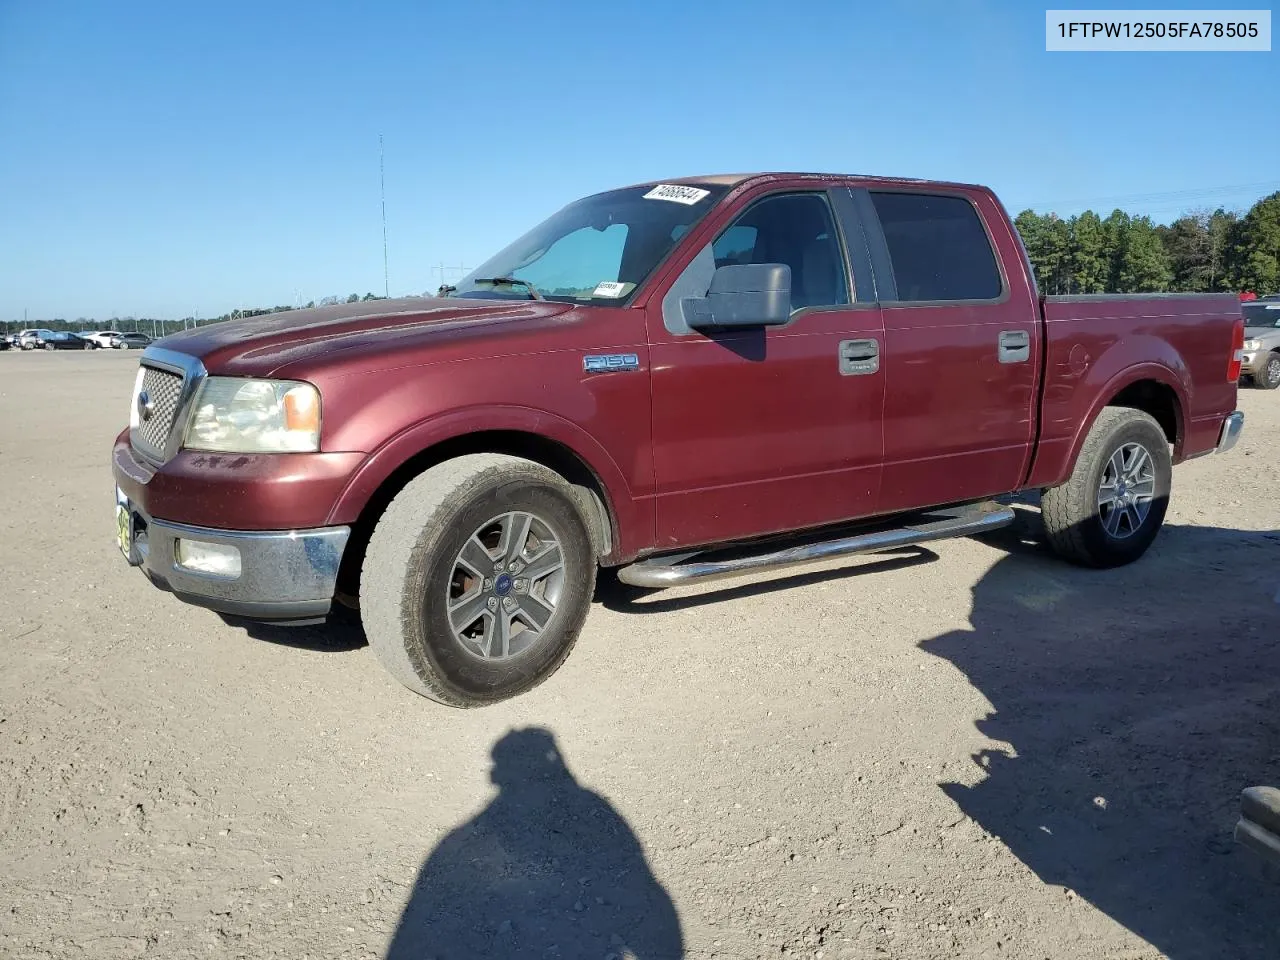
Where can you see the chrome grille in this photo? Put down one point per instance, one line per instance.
(164, 390)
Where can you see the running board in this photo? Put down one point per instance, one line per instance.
(684, 568)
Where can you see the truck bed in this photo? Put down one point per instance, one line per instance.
(1095, 345)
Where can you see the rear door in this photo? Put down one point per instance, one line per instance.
(962, 345)
(763, 430)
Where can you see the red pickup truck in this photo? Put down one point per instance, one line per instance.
(683, 380)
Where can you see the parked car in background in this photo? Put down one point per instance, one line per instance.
(665, 379)
(30, 339)
(62, 340)
(1261, 363)
(101, 339)
(5, 343)
(130, 341)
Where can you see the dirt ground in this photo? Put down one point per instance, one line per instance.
(968, 751)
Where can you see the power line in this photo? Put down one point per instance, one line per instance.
(382, 175)
(1166, 197)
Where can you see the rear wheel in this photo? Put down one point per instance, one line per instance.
(477, 580)
(1111, 509)
(50, 346)
(1268, 377)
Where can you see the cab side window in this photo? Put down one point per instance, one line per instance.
(938, 247)
(796, 229)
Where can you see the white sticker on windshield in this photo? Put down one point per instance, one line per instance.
(676, 193)
(610, 288)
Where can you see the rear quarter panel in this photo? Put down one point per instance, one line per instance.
(1096, 346)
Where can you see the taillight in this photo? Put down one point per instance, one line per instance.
(1237, 352)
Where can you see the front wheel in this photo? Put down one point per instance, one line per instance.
(1269, 377)
(477, 580)
(1111, 509)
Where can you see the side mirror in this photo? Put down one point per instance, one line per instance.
(743, 295)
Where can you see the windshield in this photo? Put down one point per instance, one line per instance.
(596, 250)
(1261, 313)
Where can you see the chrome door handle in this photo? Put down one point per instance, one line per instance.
(1015, 346)
(859, 357)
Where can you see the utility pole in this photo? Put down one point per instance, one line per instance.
(382, 176)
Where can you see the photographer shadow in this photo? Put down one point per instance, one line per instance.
(548, 869)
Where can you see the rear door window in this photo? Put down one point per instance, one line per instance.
(938, 247)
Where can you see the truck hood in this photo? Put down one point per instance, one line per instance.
(260, 346)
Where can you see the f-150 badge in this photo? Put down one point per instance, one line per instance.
(610, 362)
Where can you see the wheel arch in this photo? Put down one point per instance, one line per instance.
(596, 480)
(1153, 388)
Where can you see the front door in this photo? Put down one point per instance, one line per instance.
(762, 430)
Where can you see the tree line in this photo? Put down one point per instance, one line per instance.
(159, 327)
(1202, 252)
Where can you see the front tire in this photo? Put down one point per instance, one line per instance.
(1112, 508)
(477, 580)
(1268, 378)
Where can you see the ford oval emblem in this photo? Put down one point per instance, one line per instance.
(146, 409)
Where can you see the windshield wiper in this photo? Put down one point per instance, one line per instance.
(511, 282)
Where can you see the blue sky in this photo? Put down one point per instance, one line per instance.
(159, 159)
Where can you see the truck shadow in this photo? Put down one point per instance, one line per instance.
(547, 869)
(338, 634)
(1136, 704)
(613, 594)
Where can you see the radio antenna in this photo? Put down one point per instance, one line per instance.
(382, 175)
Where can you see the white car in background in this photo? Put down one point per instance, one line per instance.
(101, 339)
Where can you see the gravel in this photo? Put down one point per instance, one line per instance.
(968, 751)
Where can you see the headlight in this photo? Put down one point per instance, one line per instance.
(1252, 344)
(255, 416)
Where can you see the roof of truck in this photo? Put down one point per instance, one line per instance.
(735, 179)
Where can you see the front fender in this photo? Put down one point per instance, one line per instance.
(631, 517)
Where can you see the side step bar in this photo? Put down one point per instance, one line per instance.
(684, 568)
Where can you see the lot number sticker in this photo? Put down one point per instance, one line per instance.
(609, 288)
(676, 193)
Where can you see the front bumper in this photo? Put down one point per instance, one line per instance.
(284, 575)
(1229, 435)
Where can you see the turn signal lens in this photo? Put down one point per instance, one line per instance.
(302, 410)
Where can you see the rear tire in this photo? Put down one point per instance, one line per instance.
(1111, 509)
(1268, 377)
(464, 640)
